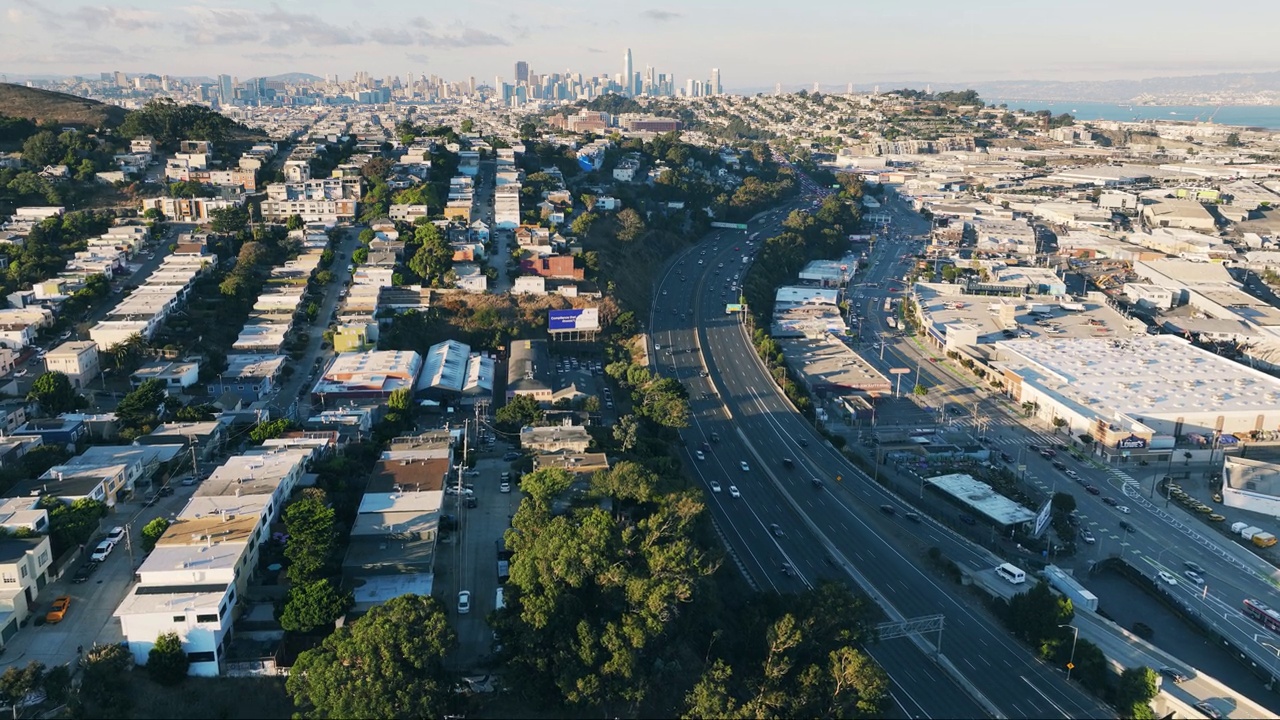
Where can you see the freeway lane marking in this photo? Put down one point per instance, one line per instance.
(1046, 697)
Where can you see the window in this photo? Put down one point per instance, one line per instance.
(179, 618)
(44, 558)
(207, 618)
(23, 570)
(198, 657)
(9, 578)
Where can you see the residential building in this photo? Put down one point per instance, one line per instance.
(555, 438)
(367, 375)
(251, 377)
(24, 572)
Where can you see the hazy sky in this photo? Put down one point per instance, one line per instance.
(754, 43)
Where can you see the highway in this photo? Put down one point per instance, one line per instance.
(1166, 536)
(837, 530)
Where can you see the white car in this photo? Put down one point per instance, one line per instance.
(116, 535)
(101, 552)
(699, 454)
(1194, 577)
(504, 487)
(715, 486)
(1122, 508)
(464, 602)
(745, 467)
(1167, 578)
(733, 491)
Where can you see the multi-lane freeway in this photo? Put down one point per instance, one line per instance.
(787, 533)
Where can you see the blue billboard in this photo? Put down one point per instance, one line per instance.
(569, 320)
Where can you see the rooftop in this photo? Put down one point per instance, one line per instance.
(147, 599)
(981, 498)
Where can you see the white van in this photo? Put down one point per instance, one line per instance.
(1011, 573)
(498, 604)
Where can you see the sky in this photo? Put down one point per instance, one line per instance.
(754, 43)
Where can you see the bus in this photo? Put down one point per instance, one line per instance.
(888, 304)
(1011, 573)
(892, 322)
(1260, 613)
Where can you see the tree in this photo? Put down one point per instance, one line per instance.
(152, 531)
(18, 682)
(1134, 692)
(103, 679)
(400, 401)
(360, 256)
(544, 485)
(56, 684)
(387, 664)
(522, 410)
(630, 225)
(591, 404)
(54, 393)
(581, 225)
(141, 408)
(295, 222)
(229, 221)
(270, 430)
(367, 236)
(434, 256)
(710, 697)
(167, 662)
(467, 125)
(1233, 140)
(1064, 502)
(920, 390)
(42, 149)
(312, 543)
(313, 605)
(626, 432)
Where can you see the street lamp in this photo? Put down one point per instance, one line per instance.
(1075, 635)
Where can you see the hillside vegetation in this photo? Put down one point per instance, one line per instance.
(54, 108)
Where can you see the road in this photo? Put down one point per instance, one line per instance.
(837, 531)
(292, 398)
(1166, 536)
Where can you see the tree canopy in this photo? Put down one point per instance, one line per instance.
(168, 122)
(387, 664)
(54, 393)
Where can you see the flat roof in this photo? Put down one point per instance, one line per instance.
(831, 363)
(218, 528)
(374, 590)
(148, 599)
(253, 474)
(981, 498)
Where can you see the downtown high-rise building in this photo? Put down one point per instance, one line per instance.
(716, 89)
(522, 72)
(226, 89)
(628, 75)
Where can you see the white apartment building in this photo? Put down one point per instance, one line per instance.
(24, 565)
(77, 359)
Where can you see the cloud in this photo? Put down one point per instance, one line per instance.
(212, 26)
(116, 18)
(595, 50)
(469, 37)
(660, 15)
(289, 28)
(419, 58)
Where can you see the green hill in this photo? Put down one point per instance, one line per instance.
(45, 106)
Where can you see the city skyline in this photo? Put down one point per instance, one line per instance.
(812, 42)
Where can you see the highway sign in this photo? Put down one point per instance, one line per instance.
(899, 371)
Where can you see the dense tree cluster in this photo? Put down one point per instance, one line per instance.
(315, 599)
(48, 246)
(168, 122)
(661, 400)
(520, 411)
(72, 524)
(140, 411)
(54, 393)
(387, 664)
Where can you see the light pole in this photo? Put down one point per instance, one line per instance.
(1075, 635)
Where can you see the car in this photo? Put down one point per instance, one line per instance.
(21, 373)
(116, 535)
(1071, 474)
(471, 473)
(59, 610)
(1193, 576)
(1092, 489)
(511, 456)
(1006, 457)
(504, 486)
(165, 490)
(1087, 536)
(101, 552)
(1123, 508)
(1173, 674)
(464, 602)
(744, 466)
(715, 437)
(1124, 525)
(888, 510)
(715, 486)
(788, 463)
(699, 454)
(733, 491)
(471, 501)
(1193, 567)
(1208, 710)
(1167, 577)
(1110, 501)
(912, 516)
(776, 530)
(1215, 517)
(188, 481)
(83, 572)
(803, 442)
(786, 569)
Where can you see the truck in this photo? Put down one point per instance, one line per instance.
(892, 322)
(1072, 306)
(1062, 582)
(1040, 309)
(1236, 527)
(1263, 539)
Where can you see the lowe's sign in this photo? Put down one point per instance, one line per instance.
(1133, 442)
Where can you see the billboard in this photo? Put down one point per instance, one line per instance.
(1042, 519)
(731, 308)
(572, 320)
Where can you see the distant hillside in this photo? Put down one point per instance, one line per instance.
(44, 106)
(1226, 84)
(295, 77)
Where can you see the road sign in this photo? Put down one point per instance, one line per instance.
(1071, 666)
(899, 371)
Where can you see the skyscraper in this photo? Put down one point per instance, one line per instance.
(715, 82)
(628, 75)
(522, 72)
(225, 92)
